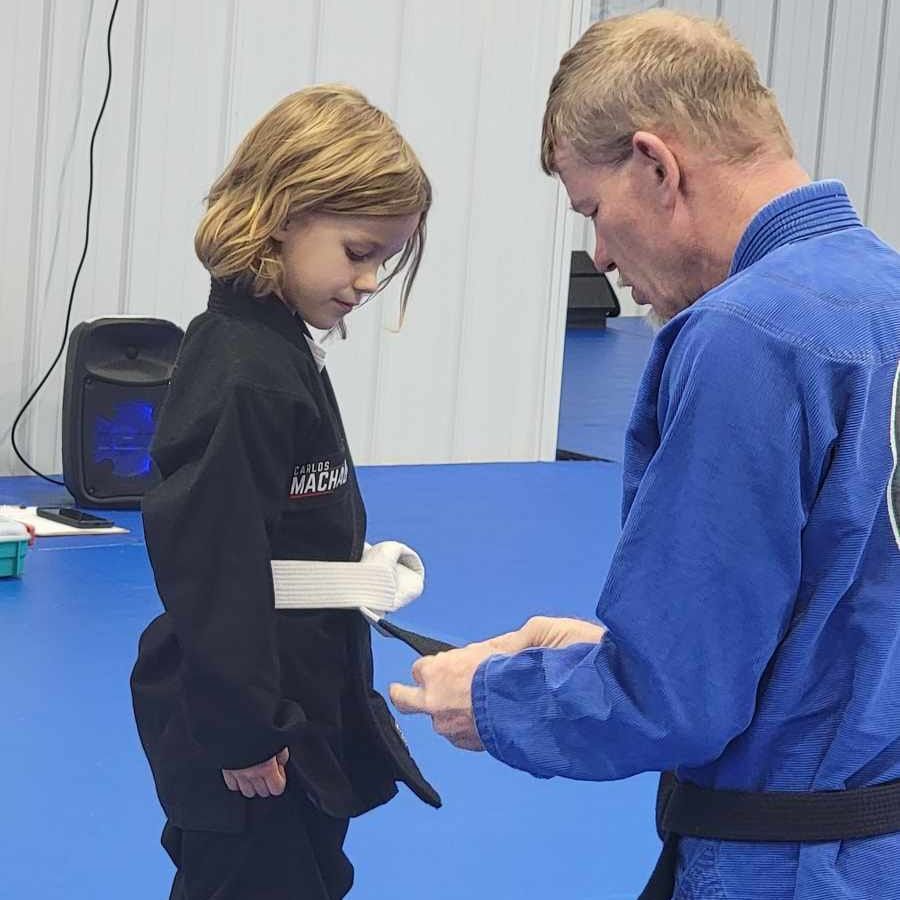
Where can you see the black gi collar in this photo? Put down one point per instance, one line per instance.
(234, 299)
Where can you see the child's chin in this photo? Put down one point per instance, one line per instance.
(324, 323)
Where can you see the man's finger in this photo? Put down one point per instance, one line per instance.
(512, 641)
(408, 699)
(283, 757)
(418, 670)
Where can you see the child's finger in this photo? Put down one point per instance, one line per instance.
(261, 786)
(230, 780)
(277, 782)
(246, 786)
(284, 756)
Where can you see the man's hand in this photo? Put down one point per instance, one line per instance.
(544, 631)
(445, 681)
(445, 692)
(266, 779)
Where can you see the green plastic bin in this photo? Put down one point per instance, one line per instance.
(13, 545)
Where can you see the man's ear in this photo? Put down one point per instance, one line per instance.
(657, 165)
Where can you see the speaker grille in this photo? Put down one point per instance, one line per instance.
(117, 375)
(119, 425)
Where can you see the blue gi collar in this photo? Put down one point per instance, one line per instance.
(818, 208)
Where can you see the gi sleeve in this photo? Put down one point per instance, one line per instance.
(702, 584)
(208, 527)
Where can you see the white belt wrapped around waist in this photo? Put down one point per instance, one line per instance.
(388, 576)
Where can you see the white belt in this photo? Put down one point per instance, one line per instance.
(388, 576)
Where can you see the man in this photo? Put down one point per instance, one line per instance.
(753, 602)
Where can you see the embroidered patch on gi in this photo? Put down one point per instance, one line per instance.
(318, 478)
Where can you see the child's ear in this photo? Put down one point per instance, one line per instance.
(282, 233)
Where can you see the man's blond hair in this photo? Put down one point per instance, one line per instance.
(324, 149)
(664, 72)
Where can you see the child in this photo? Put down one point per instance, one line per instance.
(261, 725)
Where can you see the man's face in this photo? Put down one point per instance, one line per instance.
(638, 229)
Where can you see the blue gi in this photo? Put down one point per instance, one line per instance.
(753, 602)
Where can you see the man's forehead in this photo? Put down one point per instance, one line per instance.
(574, 174)
(565, 159)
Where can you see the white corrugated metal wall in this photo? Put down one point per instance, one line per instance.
(475, 373)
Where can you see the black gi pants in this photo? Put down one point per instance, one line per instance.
(288, 851)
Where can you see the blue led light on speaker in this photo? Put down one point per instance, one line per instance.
(124, 439)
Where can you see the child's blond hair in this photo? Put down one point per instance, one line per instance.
(324, 149)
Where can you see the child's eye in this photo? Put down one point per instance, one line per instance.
(357, 257)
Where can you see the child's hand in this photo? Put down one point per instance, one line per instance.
(266, 779)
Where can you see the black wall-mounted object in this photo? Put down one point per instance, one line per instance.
(118, 370)
(592, 299)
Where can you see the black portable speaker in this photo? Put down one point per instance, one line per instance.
(592, 299)
(117, 375)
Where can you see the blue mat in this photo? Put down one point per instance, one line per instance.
(601, 372)
(500, 542)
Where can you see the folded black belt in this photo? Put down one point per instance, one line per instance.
(422, 644)
(686, 810)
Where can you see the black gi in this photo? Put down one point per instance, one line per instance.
(255, 466)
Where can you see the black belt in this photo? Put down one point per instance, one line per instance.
(686, 810)
(422, 644)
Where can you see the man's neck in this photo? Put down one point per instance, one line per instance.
(735, 194)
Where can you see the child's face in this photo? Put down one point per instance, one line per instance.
(331, 262)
